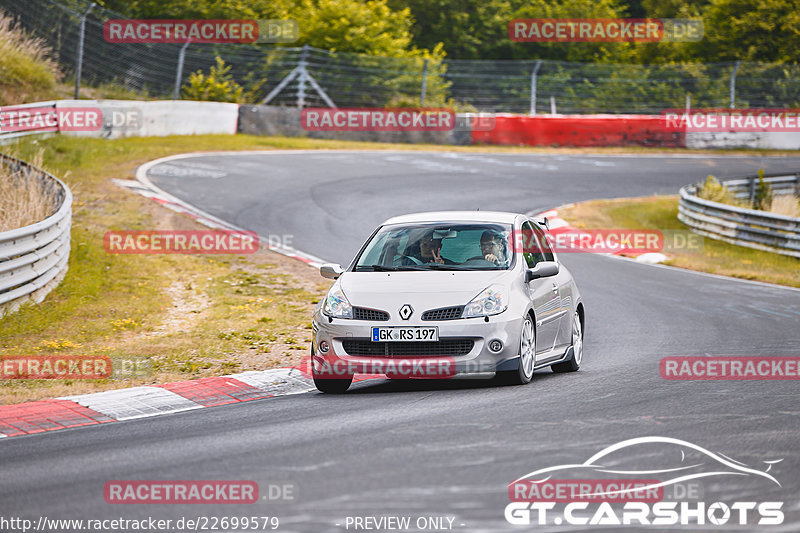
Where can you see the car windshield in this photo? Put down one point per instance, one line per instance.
(438, 246)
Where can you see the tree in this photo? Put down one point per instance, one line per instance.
(471, 29)
(751, 30)
(600, 52)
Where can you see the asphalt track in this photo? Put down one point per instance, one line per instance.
(450, 449)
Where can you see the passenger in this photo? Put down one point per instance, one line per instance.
(430, 250)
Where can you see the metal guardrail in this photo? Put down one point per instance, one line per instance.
(10, 136)
(744, 227)
(33, 259)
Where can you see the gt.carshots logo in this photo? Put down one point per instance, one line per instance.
(647, 481)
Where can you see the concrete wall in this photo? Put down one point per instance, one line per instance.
(773, 140)
(271, 120)
(580, 130)
(127, 118)
(130, 118)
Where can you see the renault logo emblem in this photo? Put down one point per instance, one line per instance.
(406, 311)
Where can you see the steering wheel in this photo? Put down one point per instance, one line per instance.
(478, 260)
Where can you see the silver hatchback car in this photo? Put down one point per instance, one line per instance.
(433, 295)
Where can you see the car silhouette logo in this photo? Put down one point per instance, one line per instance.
(612, 460)
(406, 311)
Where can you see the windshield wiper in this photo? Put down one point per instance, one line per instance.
(378, 268)
(439, 266)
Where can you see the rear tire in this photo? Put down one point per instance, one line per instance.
(527, 355)
(574, 362)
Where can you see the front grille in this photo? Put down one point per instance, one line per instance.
(445, 313)
(362, 313)
(408, 349)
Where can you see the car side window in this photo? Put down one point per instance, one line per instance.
(536, 248)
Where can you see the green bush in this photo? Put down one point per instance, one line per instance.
(713, 191)
(216, 86)
(762, 199)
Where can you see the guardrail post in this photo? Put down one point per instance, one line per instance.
(424, 83)
(733, 84)
(752, 189)
(79, 59)
(301, 82)
(179, 71)
(534, 82)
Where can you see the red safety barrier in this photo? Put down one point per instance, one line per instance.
(581, 130)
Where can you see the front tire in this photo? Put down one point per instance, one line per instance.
(332, 386)
(574, 363)
(326, 385)
(527, 356)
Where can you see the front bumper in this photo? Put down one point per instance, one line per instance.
(505, 327)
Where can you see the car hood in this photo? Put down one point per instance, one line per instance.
(389, 291)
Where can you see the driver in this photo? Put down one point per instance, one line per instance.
(493, 247)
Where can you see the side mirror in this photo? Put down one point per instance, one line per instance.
(545, 269)
(544, 222)
(330, 271)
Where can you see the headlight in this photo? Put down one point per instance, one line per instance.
(336, 304)
(492, 301)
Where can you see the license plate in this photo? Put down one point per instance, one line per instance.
(407, 334)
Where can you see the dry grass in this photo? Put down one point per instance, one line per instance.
(786, 204)
(23, 200)
(27, 70)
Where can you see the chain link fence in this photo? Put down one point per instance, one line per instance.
(304, 77)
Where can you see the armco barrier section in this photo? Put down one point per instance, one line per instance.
(33, 259)
(580, 130)
(134, 118)
(744, 227)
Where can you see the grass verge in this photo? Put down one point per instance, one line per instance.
(661, 213)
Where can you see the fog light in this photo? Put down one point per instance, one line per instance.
(324, 347)
(495, 345)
